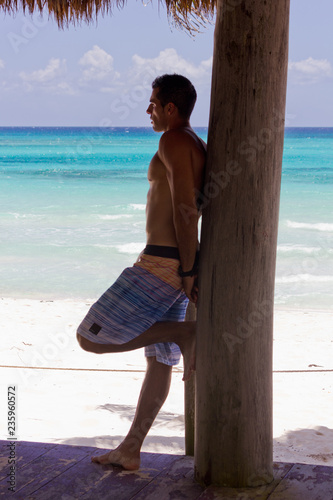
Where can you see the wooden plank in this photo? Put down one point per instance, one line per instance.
(260, 493)
(306, 482)
(49, 471)
(88, 480)
(25, 452)
(189, 393)
(46, 467)
(175, 482)
(117, 484)
(189, 415)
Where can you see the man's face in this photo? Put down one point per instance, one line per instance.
(157, 113)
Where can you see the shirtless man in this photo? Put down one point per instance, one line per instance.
(166, 266)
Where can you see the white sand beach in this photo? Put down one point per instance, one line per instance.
(66, 395)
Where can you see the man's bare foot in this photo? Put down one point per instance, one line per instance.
(187, 347)
(127, 460)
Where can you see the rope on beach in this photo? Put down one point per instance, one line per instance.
(136, 370)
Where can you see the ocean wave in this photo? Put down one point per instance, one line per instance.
(114, 217)
(138, 206)
(304, 278)
(25, 216)
(131, 248)
(297, 248)
(318, 226)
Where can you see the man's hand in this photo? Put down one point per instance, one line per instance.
(190, 285)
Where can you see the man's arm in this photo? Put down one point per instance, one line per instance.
(176, 153)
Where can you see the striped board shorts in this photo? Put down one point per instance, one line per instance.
(142, 295)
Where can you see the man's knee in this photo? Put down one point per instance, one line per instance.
(85, 344)
(79, 339)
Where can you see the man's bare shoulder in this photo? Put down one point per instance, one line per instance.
(184, 138)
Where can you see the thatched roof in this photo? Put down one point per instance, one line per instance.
(183, 13)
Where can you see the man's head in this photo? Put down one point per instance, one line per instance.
(178, 90)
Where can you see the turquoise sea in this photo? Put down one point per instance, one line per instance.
(72, 211)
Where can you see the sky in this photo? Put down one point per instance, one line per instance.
(100, 74)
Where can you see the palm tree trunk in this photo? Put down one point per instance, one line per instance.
(233, 440)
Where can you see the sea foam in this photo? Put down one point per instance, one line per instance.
(318, 226)
(304, 278)
(298, 249)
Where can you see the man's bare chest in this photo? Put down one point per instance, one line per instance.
(156, 170)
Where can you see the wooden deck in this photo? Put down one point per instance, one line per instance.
(46, 471)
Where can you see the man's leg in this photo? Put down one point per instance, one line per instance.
(154, 391)
(182, 333)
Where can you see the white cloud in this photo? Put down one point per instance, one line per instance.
(135, 86)
(51, 79)
(310, 70)
(96, 72)
(97, 65)
(169, 61)
(53, 70)
(2, 64)
(63, 88)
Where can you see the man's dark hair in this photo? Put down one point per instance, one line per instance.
(178, 90)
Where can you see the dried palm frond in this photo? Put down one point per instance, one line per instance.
(190, 15)
(186, 14)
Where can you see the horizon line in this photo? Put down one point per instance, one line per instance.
(137, 126)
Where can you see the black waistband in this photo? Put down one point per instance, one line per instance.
(162, 251)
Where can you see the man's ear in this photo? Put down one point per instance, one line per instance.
(171, 108)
